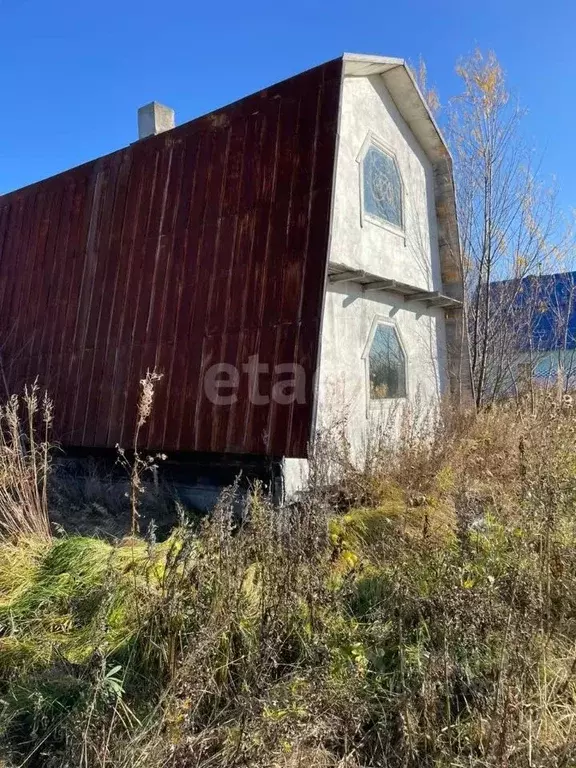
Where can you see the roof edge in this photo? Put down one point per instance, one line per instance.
(400, 82)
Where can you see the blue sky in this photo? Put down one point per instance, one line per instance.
(72, 74)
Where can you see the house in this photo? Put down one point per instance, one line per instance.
(536, 320)
(290, 250)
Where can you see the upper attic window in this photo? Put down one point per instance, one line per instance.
(381, 186)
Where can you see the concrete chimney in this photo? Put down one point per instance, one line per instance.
(154, 118)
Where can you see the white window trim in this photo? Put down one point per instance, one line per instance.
(372, 140)
(378, 404)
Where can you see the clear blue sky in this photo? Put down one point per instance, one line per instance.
(73, 73)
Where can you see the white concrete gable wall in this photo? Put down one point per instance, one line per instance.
(412, 257)
(367, 109)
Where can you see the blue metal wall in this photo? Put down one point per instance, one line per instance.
(547, 305)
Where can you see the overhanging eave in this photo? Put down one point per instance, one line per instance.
(371, 283)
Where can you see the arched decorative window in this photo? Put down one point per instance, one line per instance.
(382, 193)
(386, 364)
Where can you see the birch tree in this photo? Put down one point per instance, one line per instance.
(510, 223)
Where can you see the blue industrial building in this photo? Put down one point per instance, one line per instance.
(541, 309)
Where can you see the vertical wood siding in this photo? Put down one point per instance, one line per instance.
(205, 244)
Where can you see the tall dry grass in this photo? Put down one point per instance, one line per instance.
(25, 424)
(419, 610)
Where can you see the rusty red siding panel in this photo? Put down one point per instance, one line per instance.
(206, 244)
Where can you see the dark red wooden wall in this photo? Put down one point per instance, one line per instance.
(205, 244)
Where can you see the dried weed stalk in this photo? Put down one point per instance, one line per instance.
(139, 464)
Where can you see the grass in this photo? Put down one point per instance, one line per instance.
(417, 611)
(24, 464)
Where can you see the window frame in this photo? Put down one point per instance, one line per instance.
(372, 140)
(379, 403)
